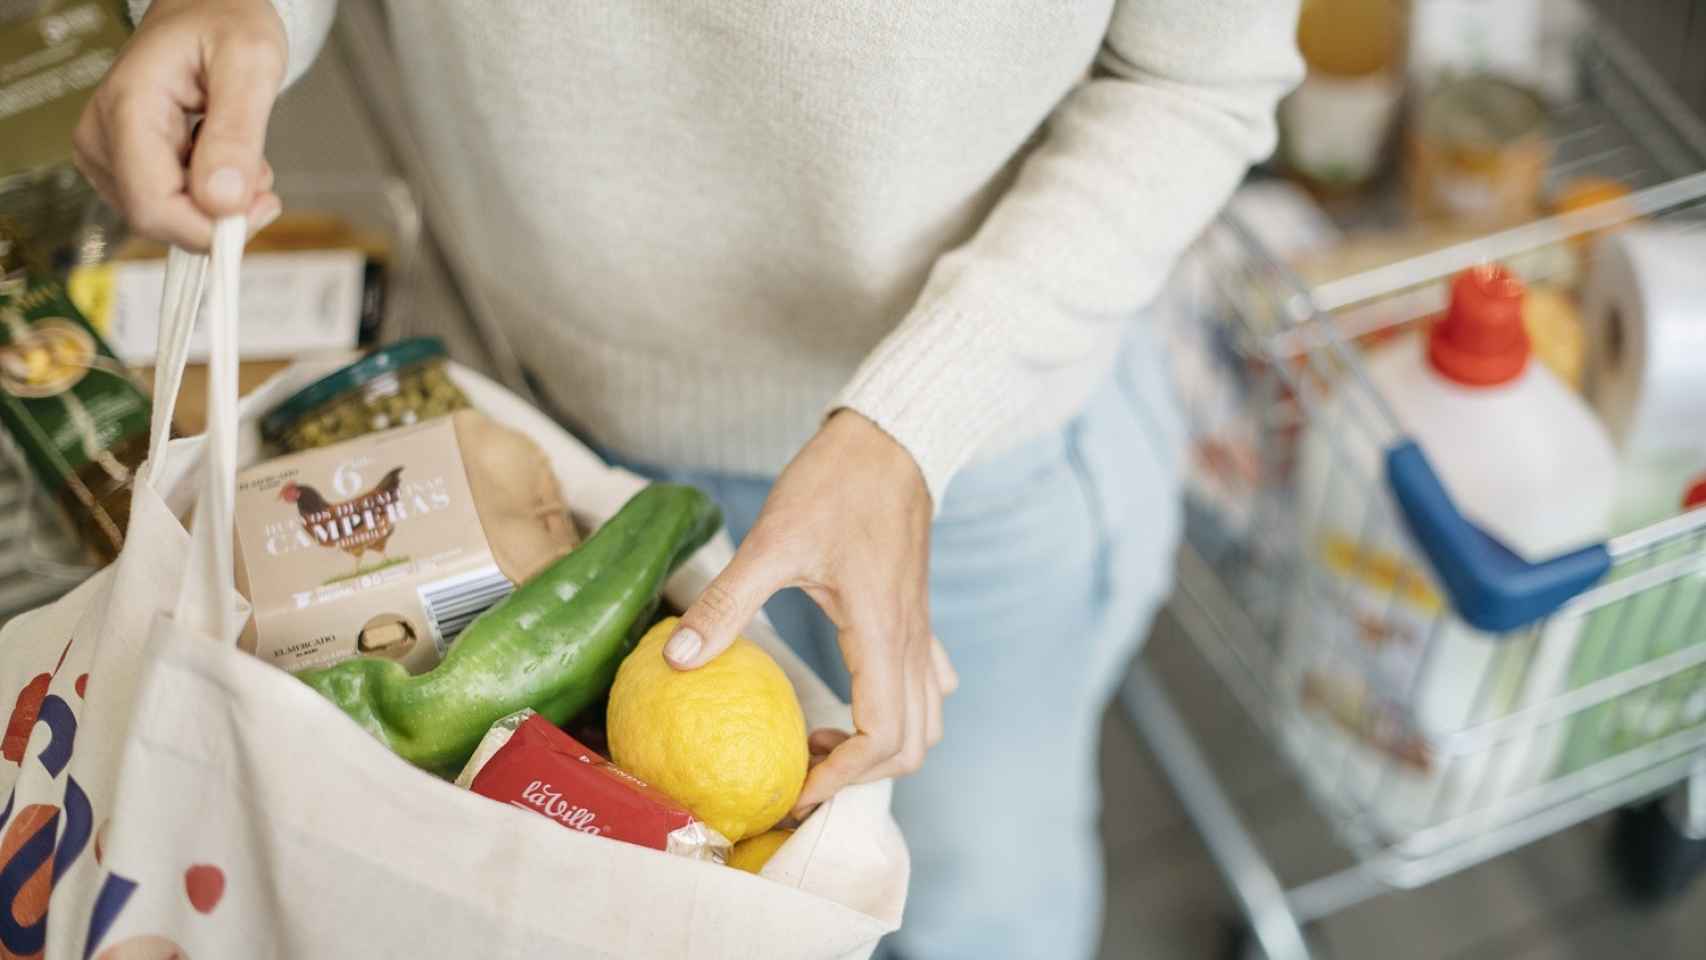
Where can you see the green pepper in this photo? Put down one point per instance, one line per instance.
(552, 645)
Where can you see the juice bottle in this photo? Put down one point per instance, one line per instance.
(1334, 127)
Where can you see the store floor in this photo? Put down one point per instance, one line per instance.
(1551, 900)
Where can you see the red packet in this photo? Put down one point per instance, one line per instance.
(541, 769)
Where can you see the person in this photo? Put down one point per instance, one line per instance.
(872, 273)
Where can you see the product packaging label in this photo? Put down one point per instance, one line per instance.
(543, 770)
(371, 546)
(1421, 665)
(63, 395)
(291, 304)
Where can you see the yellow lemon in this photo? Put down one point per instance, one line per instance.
(727, 741)
(751, 855)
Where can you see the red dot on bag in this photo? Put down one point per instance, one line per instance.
(205, 884)
(83, 685)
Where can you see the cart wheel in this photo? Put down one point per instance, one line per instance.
(1242, 943)
(1655, 860)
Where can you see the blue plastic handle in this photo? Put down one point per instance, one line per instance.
(1491, 588)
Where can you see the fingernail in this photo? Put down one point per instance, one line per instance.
(683, 647)
(265, 218)
(225, 186)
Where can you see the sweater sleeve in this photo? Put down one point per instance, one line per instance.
(1130, 168)
(306, 23)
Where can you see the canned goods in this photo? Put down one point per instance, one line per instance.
(392, 387)
(1477, 152)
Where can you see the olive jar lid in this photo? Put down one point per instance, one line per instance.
(385, 360)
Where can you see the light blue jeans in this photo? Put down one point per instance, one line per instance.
(1046, 566)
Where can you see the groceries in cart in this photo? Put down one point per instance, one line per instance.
(1521, 454)
(1337, 123)
(1557, 396)
(1472, 115)
(1556, 415)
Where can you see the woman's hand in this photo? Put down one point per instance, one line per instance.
(136, 141)
(848, 522)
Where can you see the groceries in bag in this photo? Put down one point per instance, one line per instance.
(73, 409)
(394, 386)
(312, 283)
(529, 764)
(392, 544)
(553, 645)
(1380, 665)
(728, 739)
(752, 854)
(296, 809)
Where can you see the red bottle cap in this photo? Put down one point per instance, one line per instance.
(1480, 341)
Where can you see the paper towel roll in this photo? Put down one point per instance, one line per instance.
(1645, 311)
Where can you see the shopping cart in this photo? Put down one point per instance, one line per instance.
(1533, 756)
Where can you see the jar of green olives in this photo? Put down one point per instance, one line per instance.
(394, 386)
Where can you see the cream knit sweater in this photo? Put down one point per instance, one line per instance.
(706, 222)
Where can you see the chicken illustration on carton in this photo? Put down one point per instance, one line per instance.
(357, 526)
(402, 506)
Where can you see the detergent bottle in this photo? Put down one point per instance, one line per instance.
(1524, 458)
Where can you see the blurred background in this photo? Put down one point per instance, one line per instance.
(1346, 796)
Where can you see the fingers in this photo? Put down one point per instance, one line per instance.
(227, 170)
(881, 702)
(932, 711)
(947, 678)
(130, 143)
(133, 142)
(846, 764)
(263, 212)
(267, 206)
(912, 741)
(725, 607)
(840, 759)
(149, 183)
(821, 743)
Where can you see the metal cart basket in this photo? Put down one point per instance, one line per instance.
(1534, 752)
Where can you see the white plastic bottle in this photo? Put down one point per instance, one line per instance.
(1525, 459)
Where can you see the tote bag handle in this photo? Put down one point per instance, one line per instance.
(206, 601)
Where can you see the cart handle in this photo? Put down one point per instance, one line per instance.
(1491, 587)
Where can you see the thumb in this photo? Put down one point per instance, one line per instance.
(723, 609)
(226, 166)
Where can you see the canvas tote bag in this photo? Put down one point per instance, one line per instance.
(169, 796)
